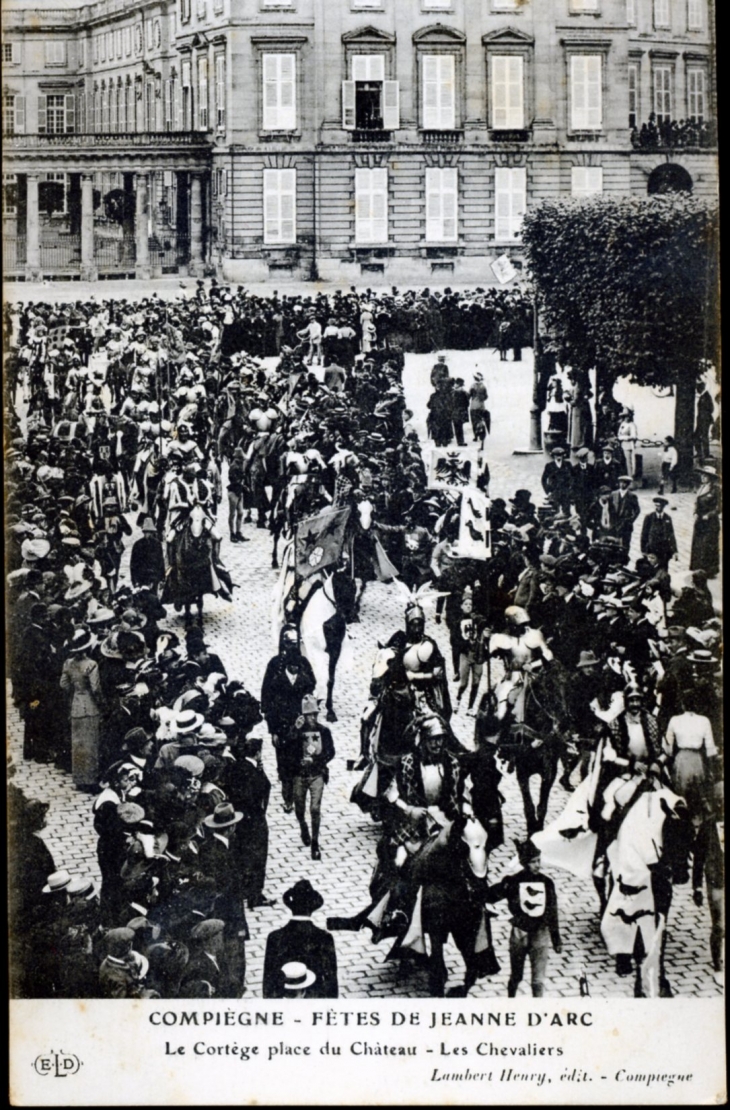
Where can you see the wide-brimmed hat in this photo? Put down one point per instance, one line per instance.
(297, 976)
(222, 816)
(211, 736)
(705, 658)
(187, 722)
(102, 615)
(204, 930)
(302, 899)
(34, 550)
(81, 886)
(129, 813)
(521, 497)
(59, 880)
(82, 640)
(625, 478)
(707, 469)
(587, 659)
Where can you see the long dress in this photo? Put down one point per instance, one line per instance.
(80, 676)
(706, 534)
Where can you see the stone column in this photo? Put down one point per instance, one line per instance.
(88, 269)
(196, 225)
(32, 229)
(141, 231)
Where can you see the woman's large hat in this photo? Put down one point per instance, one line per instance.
(82, 640)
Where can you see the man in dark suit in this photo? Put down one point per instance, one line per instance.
(607, 470)
(584, 485)
(288, 677)
(557, 479)
(208, 959)
(300, 940)
(248, 787)
(221, 858)
(657, 534)
(626, 508)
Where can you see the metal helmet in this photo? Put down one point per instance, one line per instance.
(515, 614)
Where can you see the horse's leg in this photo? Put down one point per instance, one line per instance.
(335, 630)
(547, 778)
(524, 774)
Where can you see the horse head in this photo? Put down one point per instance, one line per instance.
(382, 669)
(196, 521)
(365, 514)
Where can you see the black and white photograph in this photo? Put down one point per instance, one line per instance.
(363, 501)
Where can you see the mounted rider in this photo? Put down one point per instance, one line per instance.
(424, 664)
(523, 650)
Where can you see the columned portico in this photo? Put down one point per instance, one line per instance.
(196, 225)
(88, 269)
(141, 230)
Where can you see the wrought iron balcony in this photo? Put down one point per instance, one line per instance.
(372, 135)
(515, 135)
(438, 137)
(673, 134)
(107, 139)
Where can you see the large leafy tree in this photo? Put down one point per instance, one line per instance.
(630, 286)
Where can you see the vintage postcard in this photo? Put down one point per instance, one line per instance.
(362, 442)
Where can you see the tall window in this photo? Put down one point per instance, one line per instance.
(663, 93)
(369, 102)
(118, 43)
(441, 205)
(220, 91)
(13, 114)
(11, 53)
(149, 106)
(128, 39)
(694, 15)
(56, 114)
(112, 107)
(104, 108)
(279, 92)
(696, 95)
(631, 12)
(186, 96)
(280, 191)
(586, 181)
(662, 13)
(510, 187)
(633, 75)
(438, 92)
(129, 97)
(55, 52)
(185, 11)
(10, 194)
(508, 92)
(586, 93)
(203, 93)
(371, 206)
(62, 180)
(167, 104)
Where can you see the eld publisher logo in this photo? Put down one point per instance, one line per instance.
(58, 1064)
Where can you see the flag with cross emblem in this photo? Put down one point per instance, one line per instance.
(319, 540)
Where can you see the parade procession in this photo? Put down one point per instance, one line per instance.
(319, 687)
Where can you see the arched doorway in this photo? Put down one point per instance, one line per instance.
(669, 178)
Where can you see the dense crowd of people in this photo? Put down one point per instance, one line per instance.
(127, 425)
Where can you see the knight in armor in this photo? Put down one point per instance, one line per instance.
(523, 651)
(424, 665)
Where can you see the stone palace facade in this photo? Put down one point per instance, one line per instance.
(364, 140)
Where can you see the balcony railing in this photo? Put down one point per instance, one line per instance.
(515, 135)
(113, 139)
(437, 137)
(372, 135)
(673, 134)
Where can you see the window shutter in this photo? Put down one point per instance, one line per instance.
(220, 90)
(42, 114)
(362, 206)
(348, 105)
(509, 202)
(271, 206)
(433, 205)
(271, 92)
(694, 15)
(449, 203)
(586, 92)
(287, 92)
(19, 112)
(70, 113)
(368, 67)
(379, 204)
(391, 105)
(508, 112)
(287, 202)
(438, 92)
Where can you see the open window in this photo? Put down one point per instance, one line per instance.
(369, 102)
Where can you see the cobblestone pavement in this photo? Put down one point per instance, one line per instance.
(240, 633)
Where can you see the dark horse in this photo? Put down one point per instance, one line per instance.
(529, 736)
(192, 569)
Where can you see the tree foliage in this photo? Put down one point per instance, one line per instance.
(627, 284)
